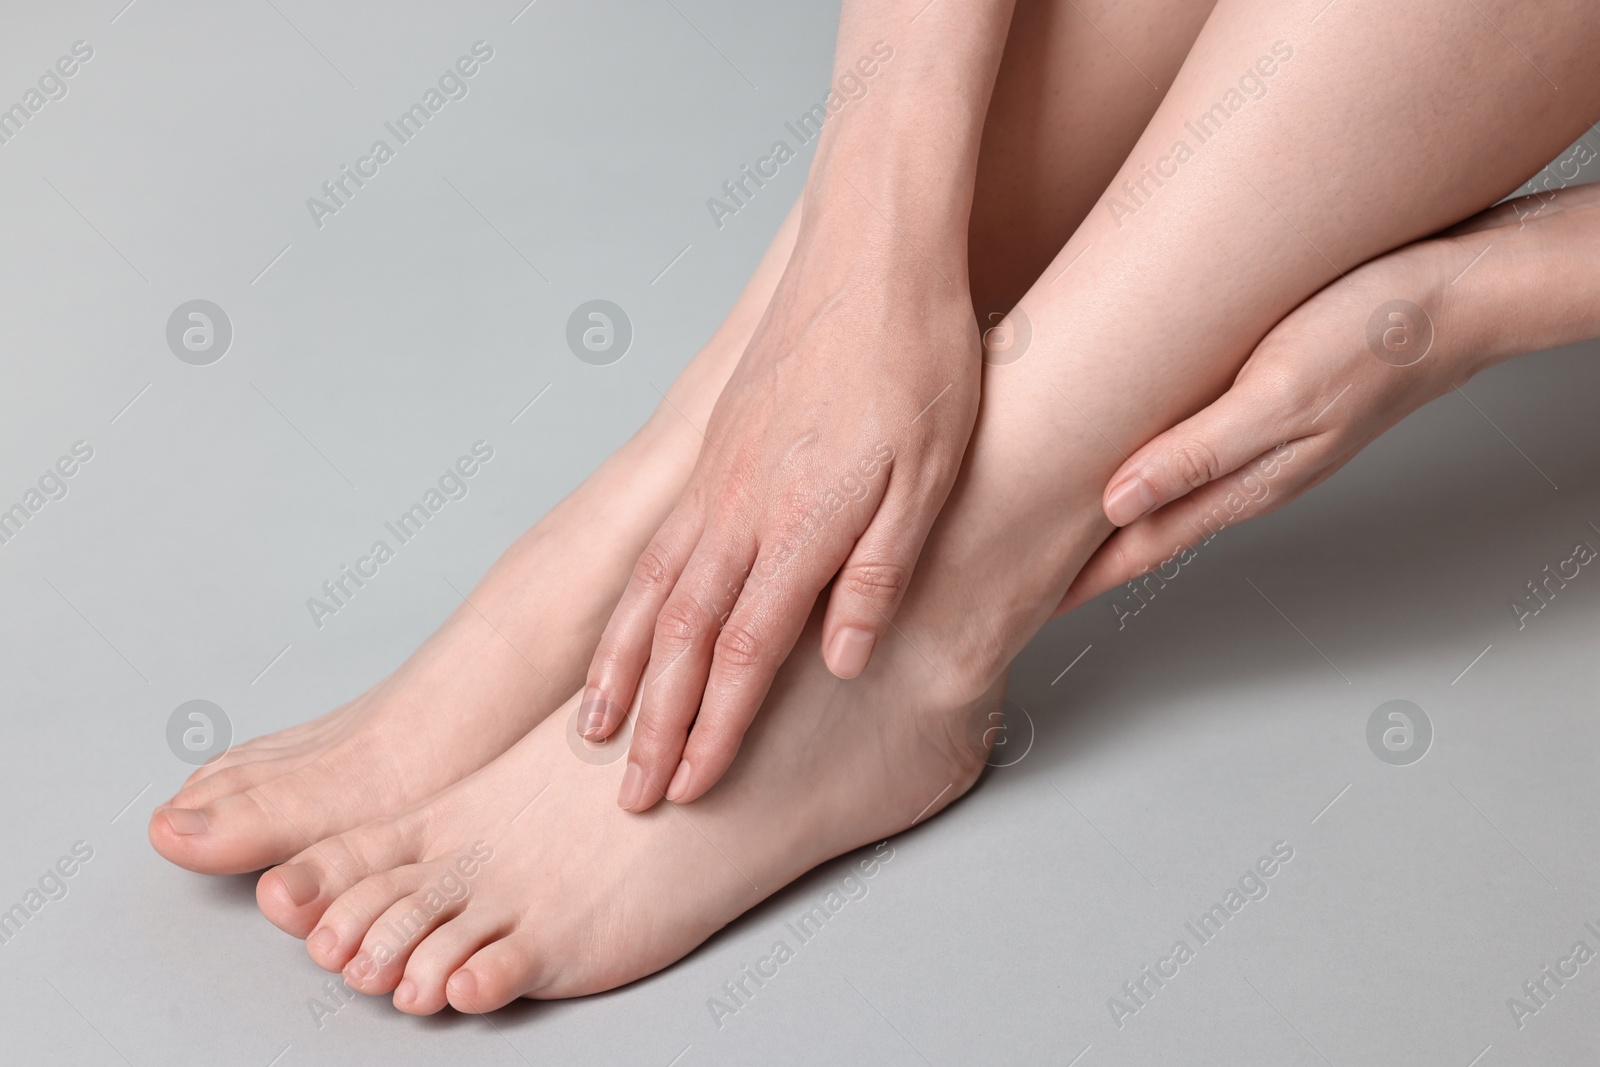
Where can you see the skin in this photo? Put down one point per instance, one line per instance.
(1521, 277)
(838, 437)
(1067, 109)
(1155, 318)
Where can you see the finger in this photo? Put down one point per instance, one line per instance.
(1197, 451)
(1168, 539)
(754, 642)
(685, 639)
(873, 581)
(624, 650)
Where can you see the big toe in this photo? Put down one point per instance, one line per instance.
(294, 896)
(258, 826)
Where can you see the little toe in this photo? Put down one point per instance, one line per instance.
(496, 974)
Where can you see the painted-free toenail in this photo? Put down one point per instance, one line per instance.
(361, 968)
(680, 782)
(632, 791)
(300, 882)
(592, 714)
(323, 942)
(406, 993)
(463, 984)
(186, 822)
(1130, 500)
(850, 649)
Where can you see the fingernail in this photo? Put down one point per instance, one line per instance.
(463, 984)
(1128, 500)
(300, 882)
(849, 651)
(680, 782)
(361, 968)
(324, 941)
(592, 714)
(186, 822)
(406, 992)
(632, 790)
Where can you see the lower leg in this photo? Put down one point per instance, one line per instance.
(1346, 150)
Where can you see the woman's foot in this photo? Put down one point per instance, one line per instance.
(526, 879)
(499, 664)
(502, 662)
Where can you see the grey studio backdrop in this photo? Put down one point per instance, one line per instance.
(1148, 766)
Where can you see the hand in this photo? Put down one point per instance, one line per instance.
(829, 454)
(1337, 372)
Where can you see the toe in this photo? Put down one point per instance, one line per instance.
(296, 896)
(264, 823)
(441, 954)
(197, 792)
(233, 834)
(390, 939)
(496, 975)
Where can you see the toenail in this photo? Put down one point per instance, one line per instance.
(632, 790)
(362, 968)
(406, 993)
(324, 941)
(186, 822)
(680, 782)
(300, 882)
(463, 984)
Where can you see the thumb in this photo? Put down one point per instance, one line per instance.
(1199, 450)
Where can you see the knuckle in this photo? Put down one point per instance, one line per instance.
(679, 623)
(653, 571)
(738, 647)
(881, 582)
(1283, 391)
(652, 734)
(1194, 464)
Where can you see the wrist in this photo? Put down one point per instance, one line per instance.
(1532, 287)
(889, 227)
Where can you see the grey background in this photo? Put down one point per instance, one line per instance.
(429, 312)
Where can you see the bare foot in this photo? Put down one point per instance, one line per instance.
(525, 879)
(502, 662)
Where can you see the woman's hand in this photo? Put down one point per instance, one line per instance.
(842, 430)
(830, 452)
(1346, 365)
